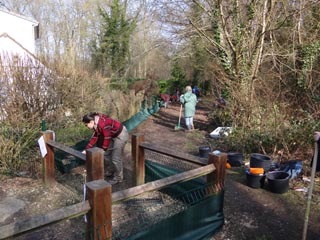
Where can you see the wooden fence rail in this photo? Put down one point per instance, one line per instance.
(173, 153)
(99, 198)
(138, 156)
(43, 220)
(161, 183)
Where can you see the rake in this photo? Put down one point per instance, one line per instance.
(178, 127)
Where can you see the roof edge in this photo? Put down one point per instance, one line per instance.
(19, 15)
(6, 35)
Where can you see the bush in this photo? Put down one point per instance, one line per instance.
(220, 117)
(18, 148)
(291, 141)
(69, 136)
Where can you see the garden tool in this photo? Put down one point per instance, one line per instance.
(178, 127)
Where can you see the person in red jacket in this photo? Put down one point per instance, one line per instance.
(111, 136)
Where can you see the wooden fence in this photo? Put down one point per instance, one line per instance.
(99, 198)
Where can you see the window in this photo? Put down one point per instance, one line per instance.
(36, 32)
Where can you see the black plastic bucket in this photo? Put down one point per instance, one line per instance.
(278, 181)
(254, 180)
(204, 151)
(235, 159)
(258, 160)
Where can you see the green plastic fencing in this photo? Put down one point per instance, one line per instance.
(200, 218)
(65, 162)
(142, 115)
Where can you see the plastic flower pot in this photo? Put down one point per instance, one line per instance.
(255, 180)
(258, 160)
(204, 151)
(278, 181)
(235, 159)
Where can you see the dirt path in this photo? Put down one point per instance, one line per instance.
(160, 128)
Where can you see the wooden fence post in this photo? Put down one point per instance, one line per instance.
(99, 195)
(217, 176)
(138, 158)
(48, 164)
(95, 164)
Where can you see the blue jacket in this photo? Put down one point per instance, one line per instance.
(189, 100)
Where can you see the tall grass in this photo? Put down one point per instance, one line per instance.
(18, 150)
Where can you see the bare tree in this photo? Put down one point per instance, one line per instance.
(150, 50)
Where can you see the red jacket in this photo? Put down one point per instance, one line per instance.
(165, 97)
(106, 128)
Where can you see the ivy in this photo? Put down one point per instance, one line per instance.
(307, 55)
(251, 11)
(216, 31)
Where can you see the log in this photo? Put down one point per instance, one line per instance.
(44, 219)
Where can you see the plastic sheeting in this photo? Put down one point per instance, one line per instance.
(142, 115)
(292, 167)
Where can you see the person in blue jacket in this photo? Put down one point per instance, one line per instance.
(189, 101)
(196, 91)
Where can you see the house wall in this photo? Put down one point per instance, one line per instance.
(19, 28)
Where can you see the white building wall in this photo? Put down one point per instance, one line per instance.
(9, 50)
(19, 28)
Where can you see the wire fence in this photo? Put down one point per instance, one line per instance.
(169, 161)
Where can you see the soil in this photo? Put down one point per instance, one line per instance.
(250, 213)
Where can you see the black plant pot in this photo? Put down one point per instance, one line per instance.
(235, 159)
(255, 180)
(258, 160)
(278, 181)
(204, 151)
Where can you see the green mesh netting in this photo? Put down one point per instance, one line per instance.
(65, 162)
(142, 115)
(200, 220)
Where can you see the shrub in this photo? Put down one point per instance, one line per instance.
(17, 149)
(290, 141)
